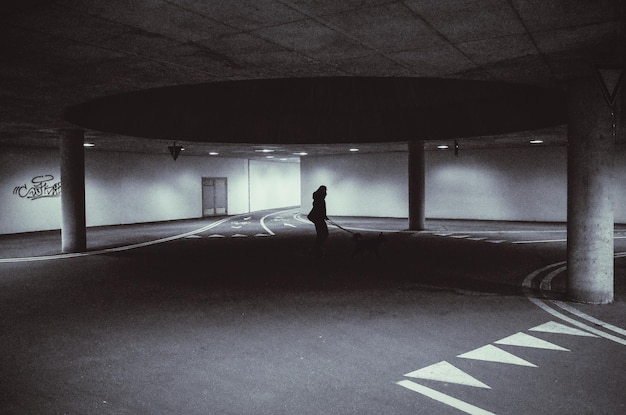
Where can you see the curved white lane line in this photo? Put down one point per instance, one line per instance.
(530, 277)
(546, 282)
(272, 214)
(545, 285)
(587, 317)
(118, 248)
(577, 323)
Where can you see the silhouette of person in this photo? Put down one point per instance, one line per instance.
(319, 218)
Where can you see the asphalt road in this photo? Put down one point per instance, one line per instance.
(235, 316)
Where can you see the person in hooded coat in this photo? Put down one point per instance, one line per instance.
(319, 218)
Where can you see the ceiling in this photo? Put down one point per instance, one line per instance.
(57, 54)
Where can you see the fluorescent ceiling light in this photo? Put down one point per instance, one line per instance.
(265, 150)
(213, 153)
(536, 141)
(443, 147)
(354, 150)
(89, 145)
(300, 154)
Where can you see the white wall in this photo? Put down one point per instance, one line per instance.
(525, 184)
(358, 184)
(18, 166)
(520, 184)
(123, 188)
(274, 184)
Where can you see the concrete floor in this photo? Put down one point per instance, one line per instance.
(237, 317)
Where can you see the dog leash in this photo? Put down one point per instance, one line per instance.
(339, 226)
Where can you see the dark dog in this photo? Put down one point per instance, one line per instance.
(366, 246)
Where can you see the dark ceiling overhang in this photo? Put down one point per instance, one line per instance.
(325, 110)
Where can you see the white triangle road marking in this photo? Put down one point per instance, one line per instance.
(215, 235)
(526, 340)
(554, 327)
(443, 398)
(492, 353)
(261, 234)
(445, 372)
(238, 235)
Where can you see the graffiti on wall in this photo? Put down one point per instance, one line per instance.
(39, 187)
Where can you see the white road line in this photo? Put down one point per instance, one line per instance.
(576, 323)
(272, 214)
(445, 372)
(546, 282)
(544, 241)
(587, 317)
(545, 285)
(115, 249)
(491, 353)
(443, 398)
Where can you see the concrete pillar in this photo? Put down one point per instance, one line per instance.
(590, 218)
(417, 185)
(73, 227)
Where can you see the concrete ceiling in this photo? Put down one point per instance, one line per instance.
(56, 54)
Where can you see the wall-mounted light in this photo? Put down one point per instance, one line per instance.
(175, 150)
(456, 148)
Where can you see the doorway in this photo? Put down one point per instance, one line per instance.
(214, 196)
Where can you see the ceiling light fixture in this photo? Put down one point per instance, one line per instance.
(354, 150)
(213, 153)
(265, 150)
(89, 145)
(302, 153)
(536, 141)
(443, 147)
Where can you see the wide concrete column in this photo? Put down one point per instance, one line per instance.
(73, 225)
(590, 217)
(417, 185)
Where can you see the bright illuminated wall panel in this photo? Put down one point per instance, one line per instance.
(525, 184)
(274, 184)
(358, 184)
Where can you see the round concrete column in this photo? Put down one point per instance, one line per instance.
(590, 218)
(417, 198)
(73, 228)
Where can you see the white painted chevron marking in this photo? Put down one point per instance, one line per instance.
(238, 235)
(193, 237)
(215, 235)
(443, 398)
(554, 327)
(492, 353)
(261, 234)
(445, 372)
(526, 340)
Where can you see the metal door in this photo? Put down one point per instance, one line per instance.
(214, 196)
